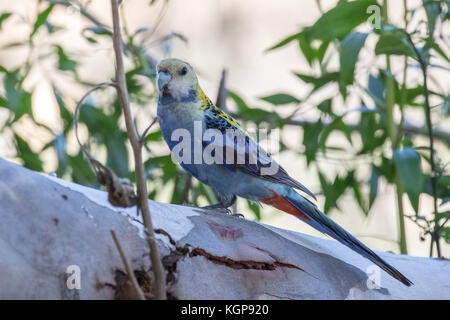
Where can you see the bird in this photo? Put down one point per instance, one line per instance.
(203, 138)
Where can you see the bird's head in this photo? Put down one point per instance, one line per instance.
(176, 79)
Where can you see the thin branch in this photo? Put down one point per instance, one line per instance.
(77, 115)
(83, 11)
(423, 67)
(159, 19)
(130, 272)
(122, 92)
(144, 134)
(407, 128)
(222, 92)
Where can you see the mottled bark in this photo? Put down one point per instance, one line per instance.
(48, 224)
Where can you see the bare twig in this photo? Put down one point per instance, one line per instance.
(159, 19)
(144, 134)
(76, 115)
(433, 175)
(82, 10)
(222, 92)
(407, 128)
(130, 272)
(122, 92)
(120, 190)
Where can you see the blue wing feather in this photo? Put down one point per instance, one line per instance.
(255, 159)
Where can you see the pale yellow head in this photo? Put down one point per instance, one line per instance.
(176, 79)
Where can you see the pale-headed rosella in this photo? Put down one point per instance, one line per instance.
(252, 174)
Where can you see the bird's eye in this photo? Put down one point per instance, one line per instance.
(183, 71)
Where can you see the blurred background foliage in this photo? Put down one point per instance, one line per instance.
(376, 132)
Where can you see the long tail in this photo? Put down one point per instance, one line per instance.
(295, 204)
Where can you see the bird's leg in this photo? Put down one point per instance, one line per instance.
(218, 207)
(223, 206)
(230, 204)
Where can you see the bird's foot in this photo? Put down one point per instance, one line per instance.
(218, 207)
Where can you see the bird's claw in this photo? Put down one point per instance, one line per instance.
(216, 207)
(221, 209)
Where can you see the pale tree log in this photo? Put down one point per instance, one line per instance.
(48, 224)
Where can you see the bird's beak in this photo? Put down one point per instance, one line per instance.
(163, 79)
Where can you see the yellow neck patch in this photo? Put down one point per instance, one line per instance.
(216, 111)
(206, 102)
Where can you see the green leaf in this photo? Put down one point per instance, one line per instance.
(3, 102)
(322, 50)
(387, 169)
(376, 89)
(117, 153)
(101, 31)
(394, 42)
(442, 215)
(256, 209)
(238, 100)
(443, 187)
(332, 191)
(305, 46)
(59, 143)
(432, 9)
(325, 107)
(319, 82)
(348, 55)
(351, 180)
(407, 163)
(97, 119)
(18, 100)
(209, 193)
(285, 41)
(445, 233)
(154, 136)
(52, 28)
(311, 133)
(165, 163)
(66, 115)
(180, 180)
(41, 18)
(339, 21)
(81, 171)
(280, 98)
(254, 114)
(373, 182)
(371, 132)
(64, 62)
(439, 51)
(3, 17)
(29, 158)
(336, 124)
